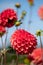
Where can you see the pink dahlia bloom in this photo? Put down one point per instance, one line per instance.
(23, 42)
(9, 17)
(37, 56)
(2, 30)
(40, 12)
(0, 20)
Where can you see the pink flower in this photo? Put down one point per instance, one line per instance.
(23, 42)
(40, 12)
(2, 30)
(37, 55)
(9, 17)
(0, 20)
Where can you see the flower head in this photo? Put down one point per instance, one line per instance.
(37, 56)
(9, 17)
(23, 42)
(2, 29)
(40, 12)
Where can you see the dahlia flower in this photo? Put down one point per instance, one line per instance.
(0, 20)
(9, 17)
(37, 56)
(40, 12)
(23, 42)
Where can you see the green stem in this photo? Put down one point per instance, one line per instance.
(41, 42)
(41, 48)
(2, 60)
(5, 48)
(30, 15)
(16, 52)
(6, 38)
(1, 50)
(17, 58)
(16, 27)
(2, 42)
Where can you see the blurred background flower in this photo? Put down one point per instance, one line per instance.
(37, 56)
(31, 2)
(40, 12)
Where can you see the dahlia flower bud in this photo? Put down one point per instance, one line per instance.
(38, 32)
(17, 5)
(2, 30)
(9, 17)
(23, 42)
(26, 61)
(24, 13)
(37, 56)
(18, 23)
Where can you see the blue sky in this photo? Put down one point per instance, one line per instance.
(36, 22)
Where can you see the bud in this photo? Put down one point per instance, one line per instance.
(38, 32)
(17, 5)
(24, 13)
(18, 23)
